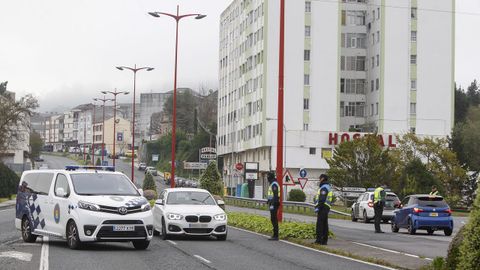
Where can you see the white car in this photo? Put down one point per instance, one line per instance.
(363, 207)
(151, 170)
(189, 211)
(82, 205)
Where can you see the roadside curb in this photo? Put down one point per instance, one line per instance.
(8, 204)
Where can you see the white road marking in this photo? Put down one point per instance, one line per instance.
(391, 251)
(319, 251)
(22, 256)
(201, 258)
(171, 242)
(44, 254)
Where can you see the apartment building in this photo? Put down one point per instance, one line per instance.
(351, 67)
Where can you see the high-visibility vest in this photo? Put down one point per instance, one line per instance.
(270, 190)
(328, 201)
(376, 195)
(434, 193)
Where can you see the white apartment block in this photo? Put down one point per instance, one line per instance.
(351, 66)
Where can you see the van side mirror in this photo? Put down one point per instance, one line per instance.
(60, 192)
(159, 202)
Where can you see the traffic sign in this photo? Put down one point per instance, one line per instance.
(251, 176)
(119, 136)
(302, 181)
(208, 156)
(239, 166)
(194, 165)
(303, 173)
(288, 179)
(154, 157)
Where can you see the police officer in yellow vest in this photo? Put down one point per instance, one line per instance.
(273, 203)
(323, 201)
(434, 191)
(379, 196)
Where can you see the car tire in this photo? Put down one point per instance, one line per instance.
(410, 228)
(430, 231)
(448, 231)
(73, 238)
(354, 219)
(365, 217)
(394, 226)
(27, 235)
(164, 230)
(222, 237)
(141, 244)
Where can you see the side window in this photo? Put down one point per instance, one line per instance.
(28, 183)
(405, 201)
(371, 197)
(412, 201)
(62, 182)
(162, 195)
(37, 183)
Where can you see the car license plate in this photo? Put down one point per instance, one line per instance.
(434, 214)
(123, 228)
(198, 225)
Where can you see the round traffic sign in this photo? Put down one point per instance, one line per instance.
(239, 166)
(303, 173)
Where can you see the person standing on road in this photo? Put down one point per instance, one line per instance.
(434, 191)
(378, 204)
(273, 203)
(323, 201)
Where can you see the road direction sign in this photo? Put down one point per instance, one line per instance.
(194, 165)
(302, 181)
(288, 179)
(251, 175)
(303, 173)
(154, 157)
(354, 189)
(351, 194)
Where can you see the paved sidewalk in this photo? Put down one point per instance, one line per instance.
(354, 248)
(8, 204)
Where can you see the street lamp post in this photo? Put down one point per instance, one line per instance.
(134, 70)
(114, 93)
(177, 19)
(93, 135)
(103, 123)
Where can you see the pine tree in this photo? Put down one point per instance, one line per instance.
(98, 162)
(211, 180)
(149, 183)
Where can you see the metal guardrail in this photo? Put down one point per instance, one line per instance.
(287, 205)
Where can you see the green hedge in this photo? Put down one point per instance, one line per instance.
(8, 181)
(261, 224)
(296, 195)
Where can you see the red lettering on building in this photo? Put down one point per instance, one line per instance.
(356, 136)
(380, 140)
(390, 141)
(333, 139)
(345, 137)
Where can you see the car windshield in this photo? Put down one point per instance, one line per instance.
(190, 198)
(437, 202)
(390, 200)
(90, 184)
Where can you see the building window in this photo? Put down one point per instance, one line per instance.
(306, 55)
(373, 15)
(376, 108)
(354, 40)
(306, 79)
(414, 13)
(308, 6)
(342, 109)
(307, 30)
(413, 108)
(372, 86)
(352, 86)
(373, 62)
(378, 36)
(413, 84)
(353, 63)
(414, 36)
(313, 151)
(306, 104)
(378, 60)
(377, 84)
(413, 59)
(371, 109)
(378, 13)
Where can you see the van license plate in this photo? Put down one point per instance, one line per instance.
(198, 225)
(123, 228)
(434, 214)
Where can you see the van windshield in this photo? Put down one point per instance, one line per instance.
(90, 184)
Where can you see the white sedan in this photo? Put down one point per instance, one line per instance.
(189, 211)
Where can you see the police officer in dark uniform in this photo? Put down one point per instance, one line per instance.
(273, 203)
(323, 202)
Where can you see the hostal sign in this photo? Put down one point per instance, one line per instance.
(388, 140)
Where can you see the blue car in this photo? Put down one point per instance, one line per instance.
(423, 212)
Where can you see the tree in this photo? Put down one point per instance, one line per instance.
(36, 144)
(149, 183)
(211, 180)
(185, 104)
(470, 247)
(461, 105)
(14, 118)
(415, 179)
(473, 94)
(98, 162)
(362, 163)
(8, 181)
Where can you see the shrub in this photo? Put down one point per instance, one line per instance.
(8, 181)
(149, 183)
(453, 250)
(211, 180)
(150, 194)
(260, 224)
(296, 195)
(98, 162)
(470, 247)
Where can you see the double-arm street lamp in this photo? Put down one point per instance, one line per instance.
(134, 70)
(103, 123)
(115, 94)
(177, 19)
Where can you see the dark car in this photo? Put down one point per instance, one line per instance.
(39, 158)
(142, 167)
(423, 212)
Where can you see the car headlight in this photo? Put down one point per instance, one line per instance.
(88, 206)
(173, 216)
(146, 207)
(220, 217)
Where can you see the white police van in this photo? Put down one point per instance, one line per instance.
(83, 204)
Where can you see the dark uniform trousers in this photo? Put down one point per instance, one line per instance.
(322, 225)
(378, 208)
(274, 219)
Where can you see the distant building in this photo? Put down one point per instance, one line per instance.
(150, 103)
(123, 139)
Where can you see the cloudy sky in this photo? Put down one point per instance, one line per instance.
(65, 51)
